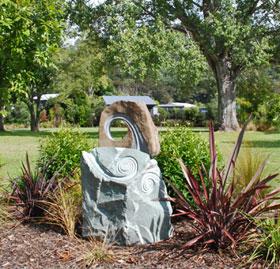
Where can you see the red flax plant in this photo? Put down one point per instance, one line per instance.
(31, 189)
(220, 216)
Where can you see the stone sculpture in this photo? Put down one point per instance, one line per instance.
(122, 187)
(142, 134)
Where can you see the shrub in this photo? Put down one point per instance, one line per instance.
(219, 219)
(181, 142)
(18, 114)
(63, 207)
(267, 115)
(56, 114)
(31, 189)
(62, 150)
(192, 116)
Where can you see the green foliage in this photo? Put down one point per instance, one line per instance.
(18, 113)
(267, 243)
(231, 35)
(180, 117)
(82, 77)
(82, 69)
(78, 112)
(142, 51)
(268, 113)
(62, 150)
(77, 109)
(30, 31)
(254, 88)
(181, 142)
(147, 59)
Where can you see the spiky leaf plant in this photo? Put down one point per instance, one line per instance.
(266, 244)
(30, 189)
(220, 218)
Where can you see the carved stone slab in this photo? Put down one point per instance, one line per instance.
(122, 189)
(142, 134)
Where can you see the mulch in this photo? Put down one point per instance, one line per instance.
(40, 246)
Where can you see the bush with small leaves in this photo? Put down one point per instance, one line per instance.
(62, 151)
(181, 142)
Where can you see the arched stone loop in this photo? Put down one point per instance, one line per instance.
(142, 133)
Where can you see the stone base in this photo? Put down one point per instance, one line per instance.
(122, 189)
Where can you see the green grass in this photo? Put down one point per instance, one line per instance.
(14, 144)
(266, 143)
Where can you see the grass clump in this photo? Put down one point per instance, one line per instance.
(247, 165)
(94, 253)
(266, 244)
(64, 206)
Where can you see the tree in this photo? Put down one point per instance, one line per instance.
(82, 77)
(231, 34)
(30, 33)
(256, 89)
(145, 52)
(7, 43)
(145, 59)
(83, 68)
(35, 83)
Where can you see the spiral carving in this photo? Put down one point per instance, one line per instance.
(148, 182)
(126, 167)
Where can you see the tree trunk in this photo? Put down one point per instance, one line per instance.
(34, 119)
(2, 128)
(226, 83)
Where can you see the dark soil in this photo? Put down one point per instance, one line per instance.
(37, 246)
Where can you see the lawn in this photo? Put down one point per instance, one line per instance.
(14, 145)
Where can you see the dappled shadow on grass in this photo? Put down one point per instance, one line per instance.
(194, 129)
(258, 144)
(265, 144)
(44, 133)
(116, 134)
(25, 133)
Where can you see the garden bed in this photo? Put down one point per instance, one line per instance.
(39, 246)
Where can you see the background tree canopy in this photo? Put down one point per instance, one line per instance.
(232, 35)
(30, 32)
(224, 54)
